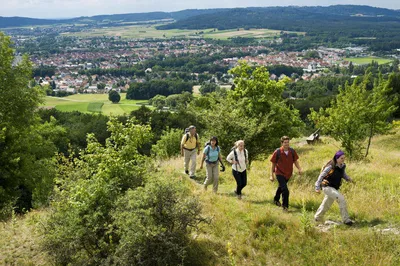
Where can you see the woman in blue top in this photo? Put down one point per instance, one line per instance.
(211, 154)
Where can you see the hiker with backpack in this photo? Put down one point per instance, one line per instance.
(330, 179)
(238, 157)
(211, 155)
(190, 147)
(282, 161)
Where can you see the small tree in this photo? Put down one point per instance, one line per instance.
(356, 114)
(114, 96)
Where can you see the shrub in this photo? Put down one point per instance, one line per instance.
(154, 223)
(114, 96)
(169, 144)
(80, 228)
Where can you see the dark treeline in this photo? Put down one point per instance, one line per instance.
(147, 90)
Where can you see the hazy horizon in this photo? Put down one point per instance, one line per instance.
(63, 9)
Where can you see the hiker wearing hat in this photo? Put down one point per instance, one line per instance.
(238, 157)
(330, 179)
(190, 147)
(211, 155)
(282, 167)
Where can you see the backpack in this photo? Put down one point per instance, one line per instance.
(325, 181)
(188, 135)
(278, 154)
(236, 156)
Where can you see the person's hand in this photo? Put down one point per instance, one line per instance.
(271, 178)
(300, 171)
(234, 162)
(318, 191)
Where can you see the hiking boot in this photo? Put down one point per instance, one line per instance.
(239, 197)
(349, 223)
(277, 203)
(205, 187)
(187, 172)
(192, 177)
(285, 209)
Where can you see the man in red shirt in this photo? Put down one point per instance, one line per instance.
(282, 167)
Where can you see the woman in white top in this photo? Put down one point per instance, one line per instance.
(239, 159)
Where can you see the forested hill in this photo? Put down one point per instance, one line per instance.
(266, 17)
(293, 18)
(116, 18)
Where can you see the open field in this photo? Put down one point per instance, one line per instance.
(253, 231)
(93, 103)
(367, 60)
(149, 31)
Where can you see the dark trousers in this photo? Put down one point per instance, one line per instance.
(282, 189)
(241, 180)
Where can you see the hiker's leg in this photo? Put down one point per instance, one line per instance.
(238, 183)
(215, 172)
(284, 190)
(193, 156)
(186, 160)
(209, 175)
(342, 205)
(278, 194)
(242, 181)
(324, 207)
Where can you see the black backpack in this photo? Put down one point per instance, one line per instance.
(278, 154)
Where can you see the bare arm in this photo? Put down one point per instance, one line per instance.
(296, 163)
(203, 158)
(272, 178)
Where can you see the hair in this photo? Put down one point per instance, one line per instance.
(284, 138)
(214, 138)
(238, 142)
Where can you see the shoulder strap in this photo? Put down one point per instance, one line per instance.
(235, 154)
(278, 154)
(292, 150)
(187, 137)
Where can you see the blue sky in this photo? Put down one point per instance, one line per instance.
(76, 8)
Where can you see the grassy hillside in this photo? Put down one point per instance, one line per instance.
(253, 231)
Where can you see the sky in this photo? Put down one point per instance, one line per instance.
(77, 8)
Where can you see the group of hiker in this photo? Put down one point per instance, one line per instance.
(282, 161)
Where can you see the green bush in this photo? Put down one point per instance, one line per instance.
(106, 210)
(114, 96)
(169, 144)
(154, 223)
(80, 228)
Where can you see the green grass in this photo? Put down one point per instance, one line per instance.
(368, 60)
(95, 107)
(149, 31)
(93, 103)
(253, 231)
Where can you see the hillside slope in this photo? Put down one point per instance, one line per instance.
(253, 231)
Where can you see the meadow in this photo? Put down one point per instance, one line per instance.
(149, 31)
(253, 231)
(367, 60)
(97, 103)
